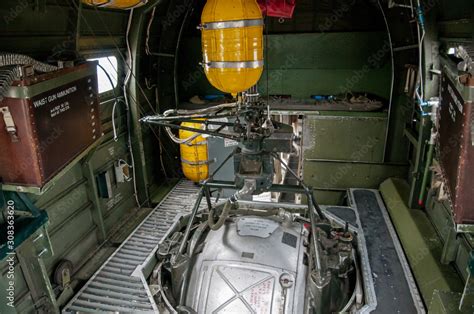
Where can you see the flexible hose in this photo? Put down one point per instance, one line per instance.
(7, 59)
(248, 188)
(190, 113)
(215, 225)
(11, 71)
(7, 76)
(200, 111)
(179, 140)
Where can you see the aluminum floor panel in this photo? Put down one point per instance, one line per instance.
(115, 287)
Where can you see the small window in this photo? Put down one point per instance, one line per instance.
(109, 64)
(452, 51)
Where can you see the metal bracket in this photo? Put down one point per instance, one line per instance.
(434, 72)
(9, 123)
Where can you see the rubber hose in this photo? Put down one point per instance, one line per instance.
(7, 59)
(220, 222)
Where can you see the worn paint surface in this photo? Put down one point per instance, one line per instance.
(420, 242)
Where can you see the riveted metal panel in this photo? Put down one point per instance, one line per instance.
(350, 138)
(340, 175)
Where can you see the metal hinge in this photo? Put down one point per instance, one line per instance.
(9, 123)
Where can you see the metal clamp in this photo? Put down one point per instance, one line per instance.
(198, 163)
(230, 24)
(233, 64)
(9, 123)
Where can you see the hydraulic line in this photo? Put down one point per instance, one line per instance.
(248, 188)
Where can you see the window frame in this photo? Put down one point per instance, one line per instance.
(110, 94)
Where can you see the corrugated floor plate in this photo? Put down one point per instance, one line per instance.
(113, 288)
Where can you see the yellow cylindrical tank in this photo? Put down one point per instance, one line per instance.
(232, 44)
(116, 4)
(194, 156)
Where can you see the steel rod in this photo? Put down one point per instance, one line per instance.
(312, 199)
(190, 222)
(174, 126)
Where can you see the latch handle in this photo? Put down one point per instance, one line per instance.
(9, 123)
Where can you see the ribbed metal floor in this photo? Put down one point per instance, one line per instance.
(116, 287)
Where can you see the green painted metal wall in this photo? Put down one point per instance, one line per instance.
(42, 31)
(344, 149)
(302, 65)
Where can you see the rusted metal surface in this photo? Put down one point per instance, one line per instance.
(456, 151)
(56, 116)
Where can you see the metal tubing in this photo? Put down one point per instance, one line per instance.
(296, 208)
(190, 222)
(298, 189)
(181, 118)
(207, 193)
(312, 218)
(211, 122)
(313, 199)
(174, 126)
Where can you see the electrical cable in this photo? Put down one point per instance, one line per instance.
(117, 100)
(157, 136)
(148, 31)
(420, 90)
(189, 9)
(125, 87)
(113, 120)
(122, 56)
(392, 79)
(124, 60)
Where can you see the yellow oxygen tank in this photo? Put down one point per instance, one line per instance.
(232, 44)
(194, 157)
(116, 4)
